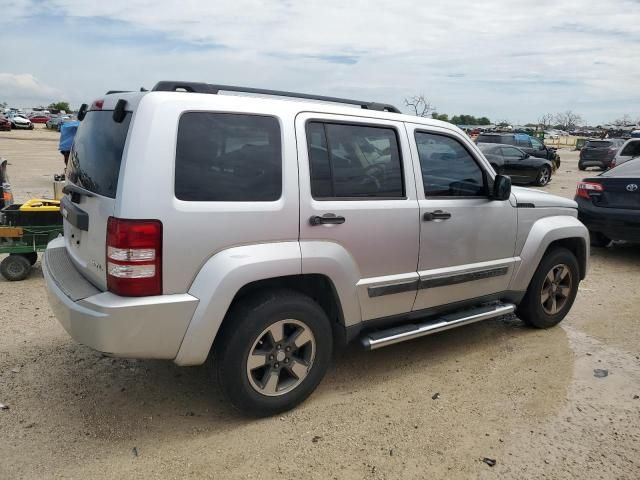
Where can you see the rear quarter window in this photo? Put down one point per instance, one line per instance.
(223, 157)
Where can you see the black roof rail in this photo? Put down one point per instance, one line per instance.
(197, 87)
(117, 91)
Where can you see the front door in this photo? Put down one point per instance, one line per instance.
(358, 207)
(467, 240)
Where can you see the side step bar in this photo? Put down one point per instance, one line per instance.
(383, 338)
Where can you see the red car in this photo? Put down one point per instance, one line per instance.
(38, 118)
(5, 124)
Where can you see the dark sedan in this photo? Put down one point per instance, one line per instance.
(599, 153)
(5, 123)
(609, 204)
(518, 164)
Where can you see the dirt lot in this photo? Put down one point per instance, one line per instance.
(526, 398)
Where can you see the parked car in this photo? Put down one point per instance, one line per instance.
(529, 144)
(39, 118)
(609, 204)
(55, 122)
(629, 150)
(5, 123)
(19, 121)
(518, 164)
(599, 153)
(289, 225)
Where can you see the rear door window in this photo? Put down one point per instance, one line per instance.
(354, 161)
(94, 163)
(223, 157)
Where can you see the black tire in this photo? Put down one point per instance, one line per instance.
(544, 176)
(15, 268)
(581, 167)
(241, 331)
(531, 309)
(598, 239)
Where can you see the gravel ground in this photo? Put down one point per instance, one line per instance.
(526, 398)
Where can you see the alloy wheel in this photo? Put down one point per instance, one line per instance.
(281, 357)
(556, 289)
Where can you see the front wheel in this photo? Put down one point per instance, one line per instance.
(544, 175)
(272, 352)
(552, 290)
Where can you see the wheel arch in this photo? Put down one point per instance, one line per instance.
(545, 234)
(233, 274)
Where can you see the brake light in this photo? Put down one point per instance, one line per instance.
(585, 188)
(134, 257)
(97, 105)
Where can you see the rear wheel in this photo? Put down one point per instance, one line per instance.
(552, 290)
(599, 239)
(581, 167)
(15, 268)
(273, 353)
(544, 175)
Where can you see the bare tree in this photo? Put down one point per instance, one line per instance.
(623, 121)
(546, 120)
(568, 119)
(420, 105)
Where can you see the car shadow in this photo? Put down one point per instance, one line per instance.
(74, 388)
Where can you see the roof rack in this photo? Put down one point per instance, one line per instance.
(197, 87)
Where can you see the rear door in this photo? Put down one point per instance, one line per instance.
(630, 150)
(467, 240)
(358, 203)
(92, 175)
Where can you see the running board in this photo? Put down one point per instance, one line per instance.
(383, 338)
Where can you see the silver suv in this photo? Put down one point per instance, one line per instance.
(257, 233)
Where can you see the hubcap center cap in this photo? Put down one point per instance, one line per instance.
(280, 356)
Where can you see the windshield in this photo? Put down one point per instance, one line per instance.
(95, 159)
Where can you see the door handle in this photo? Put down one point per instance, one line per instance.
(326, 219)
(436, 215)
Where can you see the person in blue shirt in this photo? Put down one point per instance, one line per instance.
(67, 134)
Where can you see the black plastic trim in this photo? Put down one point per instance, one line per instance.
(445, 280)
(74, 214)
(525, 205)
(392, 289)
(198, 87)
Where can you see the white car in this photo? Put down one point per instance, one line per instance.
(629, 150)
(19, 121)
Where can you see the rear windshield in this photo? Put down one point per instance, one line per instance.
(598, 144)
(94, 163)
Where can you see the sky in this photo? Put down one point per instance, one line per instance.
(508, 60)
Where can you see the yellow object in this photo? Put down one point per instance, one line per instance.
(10, 232)
(40, 205)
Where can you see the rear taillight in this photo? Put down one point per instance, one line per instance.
(134, 257)
(613, 163)
(586, 188)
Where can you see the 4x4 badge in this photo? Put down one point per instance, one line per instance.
(632, 187)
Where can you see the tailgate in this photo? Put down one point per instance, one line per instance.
(619, 193)
(92, 181)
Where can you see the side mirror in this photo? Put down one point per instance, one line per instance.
(501, 188)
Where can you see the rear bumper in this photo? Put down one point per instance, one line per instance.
(615, 223)
(142, 327)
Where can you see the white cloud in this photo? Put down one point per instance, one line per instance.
(496, 57)
(25, 87)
